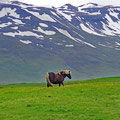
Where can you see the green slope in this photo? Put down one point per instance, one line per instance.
(95, 100)
(21, 63)
(27, 63)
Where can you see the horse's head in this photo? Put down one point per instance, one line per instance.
(66, 73)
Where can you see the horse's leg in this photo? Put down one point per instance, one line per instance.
(49, 85)
(59, 84)
(62, 84)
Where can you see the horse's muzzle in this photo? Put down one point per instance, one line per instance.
(69, 76)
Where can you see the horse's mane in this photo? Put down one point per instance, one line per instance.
(64, 71)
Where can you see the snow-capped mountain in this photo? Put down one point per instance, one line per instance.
(27, 20)
(81, 38)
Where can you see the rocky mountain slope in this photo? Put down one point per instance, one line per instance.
(35, 40)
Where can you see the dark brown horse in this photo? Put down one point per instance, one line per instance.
(57, 78)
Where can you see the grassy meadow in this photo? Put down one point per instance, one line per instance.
(97, 99)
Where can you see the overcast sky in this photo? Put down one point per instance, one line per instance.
(58, 3)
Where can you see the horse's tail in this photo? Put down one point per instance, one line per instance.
(48, 80)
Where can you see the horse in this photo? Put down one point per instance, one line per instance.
(57, 78)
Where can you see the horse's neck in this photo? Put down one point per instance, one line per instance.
(62, 75)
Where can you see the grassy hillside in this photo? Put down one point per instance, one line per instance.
(29, 63)
(97, 99)
(26, 63)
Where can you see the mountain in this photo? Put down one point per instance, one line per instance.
(35, 40)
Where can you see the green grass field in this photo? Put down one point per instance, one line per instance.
(97, 99)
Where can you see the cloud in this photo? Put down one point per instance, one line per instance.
(58, 3)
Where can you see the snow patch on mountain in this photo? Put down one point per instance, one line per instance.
(69, 45)
(114, 14)
(10, 12)
(89, 30)
(114, 26)
(117, 48)
(43, 25)
(15, 28)
(54, 13)
(64, 32)
(46, 32)
(5, 25)
(89, 44)
(103, 45)
(106, 29)
(44, 16)
(58, 43)
(89, 5)
(85, 43)
(28, 17)
(25, 42)
(67, 16)
(93, 13)
(117, 43)
(17, 21)
(21, 33)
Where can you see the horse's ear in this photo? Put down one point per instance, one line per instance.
(62, 72)
(59, 73)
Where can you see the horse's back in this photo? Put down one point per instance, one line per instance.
(54, 78)
(51, 76)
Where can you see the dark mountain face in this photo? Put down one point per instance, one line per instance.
(35, 40)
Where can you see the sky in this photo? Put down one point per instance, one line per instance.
(58, 3)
